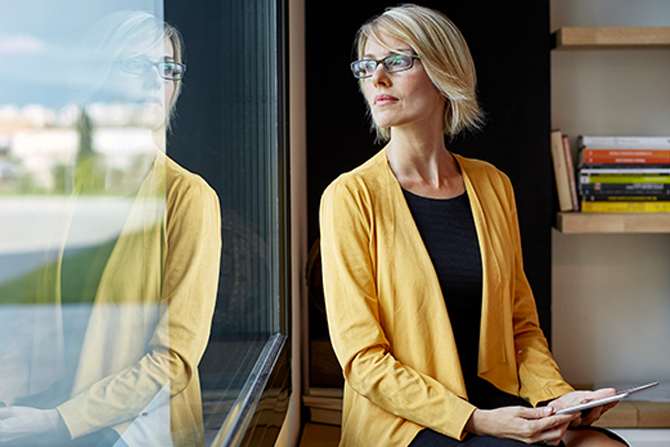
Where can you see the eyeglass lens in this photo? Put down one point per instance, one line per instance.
(392, 64)
(167, 70)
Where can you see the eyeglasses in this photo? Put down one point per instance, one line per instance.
(392, 63)
(170, 71)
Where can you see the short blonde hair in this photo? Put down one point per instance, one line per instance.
(174, 36)
(123, 34)
(444, 54)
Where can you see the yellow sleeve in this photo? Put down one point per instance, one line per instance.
(191, 279)
(187, 299)
(353, 311)
(539, 376)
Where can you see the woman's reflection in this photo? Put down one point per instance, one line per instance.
(108, 338)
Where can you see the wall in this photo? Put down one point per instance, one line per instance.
(611, 293)
(290, 432)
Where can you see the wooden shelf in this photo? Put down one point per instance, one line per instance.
(324, 410)
(320, 435)
(585, 223)
(637, 414)
(652, 37)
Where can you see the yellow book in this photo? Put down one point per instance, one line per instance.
(626, 207)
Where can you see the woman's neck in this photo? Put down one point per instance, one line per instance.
(423, 165)
(159, 136)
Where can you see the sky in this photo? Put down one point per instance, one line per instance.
(39, 41)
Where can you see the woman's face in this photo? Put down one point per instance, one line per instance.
(136, 81)
(402, 100)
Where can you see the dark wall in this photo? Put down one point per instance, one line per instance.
(196, 138)
(229, 130)
(509, 42)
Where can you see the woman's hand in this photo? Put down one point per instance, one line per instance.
(587, 417)
(18, 422)
(529, 425)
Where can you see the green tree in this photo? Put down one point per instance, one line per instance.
(89, 171)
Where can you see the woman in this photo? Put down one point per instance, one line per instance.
(430, 313)
(134, 378)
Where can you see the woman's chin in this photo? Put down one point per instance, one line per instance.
(152, 116)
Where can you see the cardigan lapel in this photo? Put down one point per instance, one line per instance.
(495, 356)
(491, 352)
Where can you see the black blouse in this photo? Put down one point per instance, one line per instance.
(448, 231)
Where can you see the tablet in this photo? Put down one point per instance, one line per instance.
(607, 400)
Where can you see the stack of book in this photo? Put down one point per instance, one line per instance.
(624, 174)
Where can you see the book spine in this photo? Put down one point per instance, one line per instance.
(560, 171)
(604, 197)
(653, 153)
(588, 160)
(571, 173)
(625, 207)
(593, 142)
(635, 167)
(625, 170)
(622, 178)
(624, 189)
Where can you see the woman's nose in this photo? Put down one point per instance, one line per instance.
(153, 79)
(380, 76)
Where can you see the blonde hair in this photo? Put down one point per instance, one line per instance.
(123, 34)
(444, 54)
(177, 41)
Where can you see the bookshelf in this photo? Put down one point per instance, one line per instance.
(606, 38)
(616, 223)
(602, 38)
(592, 272)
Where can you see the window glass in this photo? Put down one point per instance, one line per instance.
(140, 276)
(230, 130)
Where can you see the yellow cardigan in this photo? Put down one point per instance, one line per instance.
(388, 321)
(151, 319)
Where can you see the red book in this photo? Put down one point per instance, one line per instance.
(654, 153)
(626, 160)
(626, 156)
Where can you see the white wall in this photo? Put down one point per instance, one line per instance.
(611, 293)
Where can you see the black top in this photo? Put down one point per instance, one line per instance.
(448, 231)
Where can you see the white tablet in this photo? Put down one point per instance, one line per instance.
(607, 400)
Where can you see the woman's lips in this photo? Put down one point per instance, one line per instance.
(381, 100)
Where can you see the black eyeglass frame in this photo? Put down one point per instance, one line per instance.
(157, 65)
(383, 62)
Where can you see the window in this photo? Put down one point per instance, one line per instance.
(112, 279)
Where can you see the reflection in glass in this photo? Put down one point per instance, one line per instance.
(109, 251)
(246, 123)
(90, 208)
